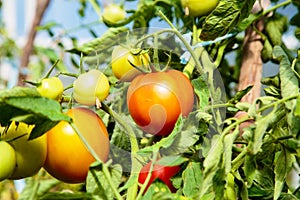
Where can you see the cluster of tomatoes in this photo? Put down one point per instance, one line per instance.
(155, 100)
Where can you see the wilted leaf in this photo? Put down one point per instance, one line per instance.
(283, 165)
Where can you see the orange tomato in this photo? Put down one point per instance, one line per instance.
(156, 100)
(68, 159)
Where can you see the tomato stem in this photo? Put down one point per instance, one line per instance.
(186, 44)
(141, 192)
(155, 55)
(104, 166)
(96, 7)
(276, 103)
(132, 191)
(51, 69)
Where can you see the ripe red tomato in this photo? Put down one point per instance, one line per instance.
(163, 173)
(156, 100)
(67, 157)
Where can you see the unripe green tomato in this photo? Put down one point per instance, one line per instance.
(113, 13)
(51, 88)
(30, 154)
(90, 86)
(122, 59)
(7, 160)
(198, 8)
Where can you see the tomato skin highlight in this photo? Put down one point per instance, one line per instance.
(198, 8)
(122, 68)
(90, 86)
(68, 159)
(51, 88)
(113, 13)
(163, 173)
(156, 100)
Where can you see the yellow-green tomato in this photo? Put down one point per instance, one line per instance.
(113, 13)
(90, 87)
(51, 88)
(30, 154)
(122, 60)
(198, 8)
(7, 160)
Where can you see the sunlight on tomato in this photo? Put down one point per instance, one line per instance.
(68, 159)
(90, 86)
(198, 8)
(156, 100)
(121, 67)
(113, 13)
(51, 88)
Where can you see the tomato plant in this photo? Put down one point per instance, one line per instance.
(51, 88)
(222, 46)
(163, 173)
(124, 62)
(91, 86)
(165, 95)
(198, 8)
(113, 13)
(68, 159)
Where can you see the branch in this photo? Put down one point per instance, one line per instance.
(27, 49)
(251, 69)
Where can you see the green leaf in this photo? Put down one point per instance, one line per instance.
(297, 109)
(182, 142)
(283, 164)
(227, 154)
(157, 190)
(250, 168)
(212, 164)
(43, 187)
(67, 196)
(240, 94)
(171, 160)
(164, 142)
(225, 18)
(262, 125)
(275, 27)
(26, 105)
(192, 176)
(97, 183)
(202, 91)
(109, 38)
(288, 80)
(288, 196)
(262, 187)
(289, 86)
